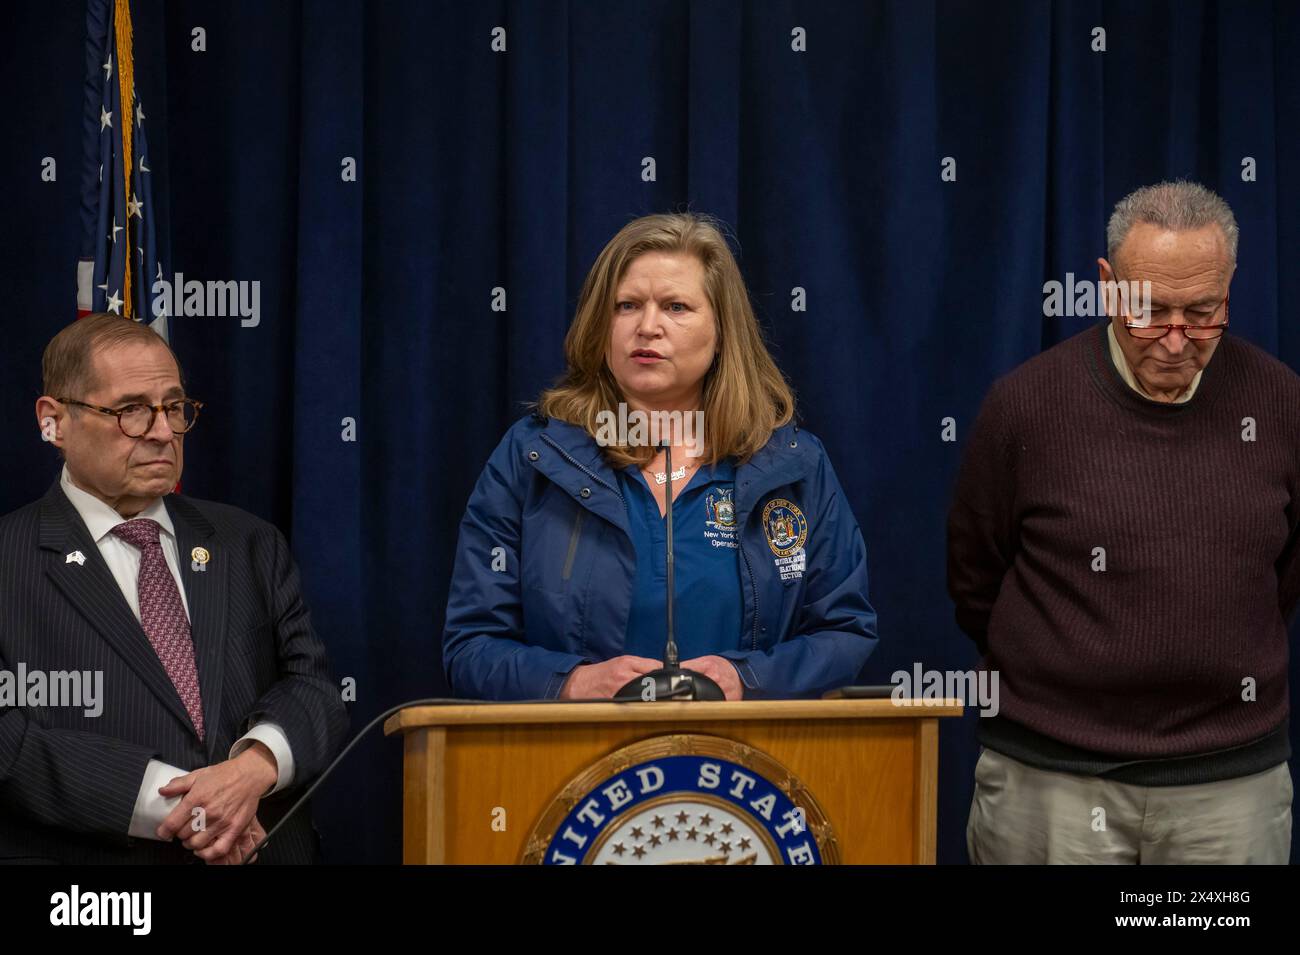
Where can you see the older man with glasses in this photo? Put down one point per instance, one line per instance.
(1124, 548)
(217, 706)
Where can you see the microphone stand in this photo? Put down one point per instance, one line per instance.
(670, 682)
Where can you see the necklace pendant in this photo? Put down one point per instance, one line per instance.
(678, 474)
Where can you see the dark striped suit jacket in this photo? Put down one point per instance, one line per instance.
(68, 782)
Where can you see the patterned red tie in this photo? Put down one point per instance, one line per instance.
(162, 614)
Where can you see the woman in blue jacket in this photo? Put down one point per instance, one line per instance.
(558, 589)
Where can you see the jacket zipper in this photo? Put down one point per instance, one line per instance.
(573, 544)
(583, 468)
(753, 641)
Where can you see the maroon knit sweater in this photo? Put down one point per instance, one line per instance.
(1135, 672)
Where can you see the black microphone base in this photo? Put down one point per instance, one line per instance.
(670, 685)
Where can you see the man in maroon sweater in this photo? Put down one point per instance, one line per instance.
(1124, 548)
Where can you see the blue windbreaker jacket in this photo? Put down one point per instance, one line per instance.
(545, 567)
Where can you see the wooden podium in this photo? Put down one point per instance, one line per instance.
(497, 783)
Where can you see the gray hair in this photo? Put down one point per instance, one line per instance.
(1178, 206)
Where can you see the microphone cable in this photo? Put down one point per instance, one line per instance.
(433, 701)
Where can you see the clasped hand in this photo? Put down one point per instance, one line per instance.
(216, 818)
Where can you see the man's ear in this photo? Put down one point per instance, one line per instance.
(1107, 287)
(49, 414)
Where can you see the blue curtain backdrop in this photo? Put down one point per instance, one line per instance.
(478, 169)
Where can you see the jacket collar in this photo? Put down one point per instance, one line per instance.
(579, 445)
(787, 457)
(572, 460)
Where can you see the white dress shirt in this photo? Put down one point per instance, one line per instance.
(124, 563)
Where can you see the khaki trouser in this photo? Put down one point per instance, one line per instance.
(1023, 815)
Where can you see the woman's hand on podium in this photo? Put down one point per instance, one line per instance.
(721, 671)
(591, 681)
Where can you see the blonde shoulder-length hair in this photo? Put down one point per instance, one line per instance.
(746, 397)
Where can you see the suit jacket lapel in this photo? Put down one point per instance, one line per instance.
(206, 592)
(90, 586)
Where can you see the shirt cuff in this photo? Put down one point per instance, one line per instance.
(278, 743)
(151, 808)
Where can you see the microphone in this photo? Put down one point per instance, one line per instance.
(669, 682)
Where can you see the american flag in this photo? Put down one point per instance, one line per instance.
(119, 260)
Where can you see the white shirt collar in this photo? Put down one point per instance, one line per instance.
(1120, 361)
(100, 519)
